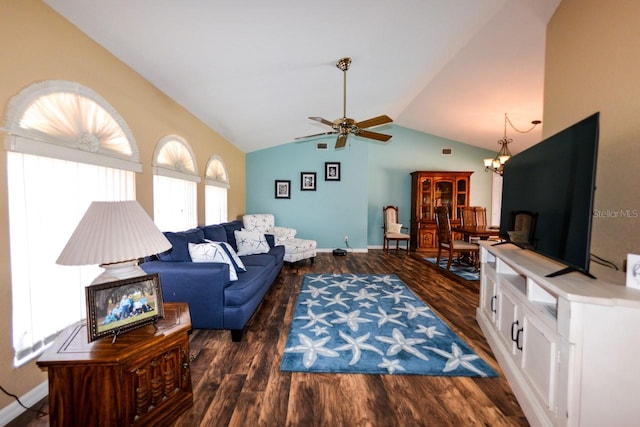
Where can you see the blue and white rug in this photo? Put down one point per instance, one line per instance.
(464, 271)
(372, 324)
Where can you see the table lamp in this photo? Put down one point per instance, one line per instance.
(114, 235)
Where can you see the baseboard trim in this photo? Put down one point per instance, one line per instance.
(14, 410)
(358, 250)
(349, 250)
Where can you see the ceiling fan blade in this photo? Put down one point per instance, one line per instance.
(323, 121)
(342, 140)
(380, 120)
(316, 134)
(374, 135)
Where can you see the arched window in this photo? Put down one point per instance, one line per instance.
(215, 191)
(66, 148)
(65, 120)
(175, 203)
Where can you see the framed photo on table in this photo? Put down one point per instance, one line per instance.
(120, 306)
(332, 171)
(283, 189)
(307, 181)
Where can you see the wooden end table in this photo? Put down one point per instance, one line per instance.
(143, 378)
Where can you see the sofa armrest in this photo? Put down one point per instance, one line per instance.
(201, 285)
(283, 233)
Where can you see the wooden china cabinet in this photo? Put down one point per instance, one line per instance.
(430, 189)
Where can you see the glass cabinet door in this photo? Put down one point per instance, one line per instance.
(443, 194)
(461, 199)
(425, 206)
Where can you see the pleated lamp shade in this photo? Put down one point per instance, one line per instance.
(114, 235)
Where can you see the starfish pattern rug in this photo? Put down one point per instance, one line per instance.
(464, 271)
(372, 324)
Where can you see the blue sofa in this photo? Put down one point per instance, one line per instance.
(215, 302)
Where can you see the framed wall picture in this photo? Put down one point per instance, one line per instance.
(332, 171)
(120, 306)
(283, 189)
(308, 181)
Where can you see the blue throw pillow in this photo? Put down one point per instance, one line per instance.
(235, 259)
(180, 244)
(271, 240)
(215, 233)
(230, 228)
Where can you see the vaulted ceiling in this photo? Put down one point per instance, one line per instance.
(255, 70)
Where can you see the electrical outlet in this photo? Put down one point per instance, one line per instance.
(346, 239)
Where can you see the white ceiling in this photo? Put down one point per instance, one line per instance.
(255, 70)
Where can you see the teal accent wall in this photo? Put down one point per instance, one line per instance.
(373, 175)
(335, 210)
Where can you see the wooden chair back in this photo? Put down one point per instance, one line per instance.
(467, 216)
(446, 241)
(443, 225)
(480, 215)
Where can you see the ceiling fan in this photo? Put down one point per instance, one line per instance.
(345, 126)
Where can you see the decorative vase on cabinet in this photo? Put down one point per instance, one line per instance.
(430, 189)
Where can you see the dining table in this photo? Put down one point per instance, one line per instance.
(480, 231)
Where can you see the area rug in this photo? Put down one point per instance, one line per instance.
(372, 324)
(466, 272)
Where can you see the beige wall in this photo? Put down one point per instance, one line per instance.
(38, 44)
(593, 64)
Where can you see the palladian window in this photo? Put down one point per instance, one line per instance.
(66, 147)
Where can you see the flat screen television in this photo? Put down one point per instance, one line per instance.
(555, 179)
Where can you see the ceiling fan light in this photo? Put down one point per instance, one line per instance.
(346, 125)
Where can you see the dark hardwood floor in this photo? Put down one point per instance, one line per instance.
(240, 384)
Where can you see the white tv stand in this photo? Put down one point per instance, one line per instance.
(568, 345)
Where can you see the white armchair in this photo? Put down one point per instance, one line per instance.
(295, 249)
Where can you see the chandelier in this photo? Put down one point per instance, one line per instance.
(497, 163)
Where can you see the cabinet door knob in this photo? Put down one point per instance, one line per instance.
(493, 303)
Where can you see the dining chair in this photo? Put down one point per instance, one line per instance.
(523, 227)
(467, 216)
(446, 241)
(392, 230)
(480, 213)
(481, 221)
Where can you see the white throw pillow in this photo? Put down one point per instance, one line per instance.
(212, 252)
(394, 227)
(251, 242)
